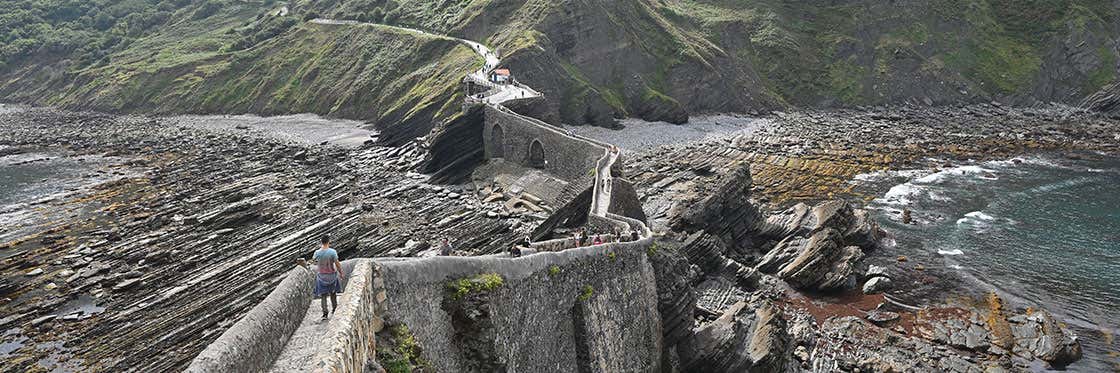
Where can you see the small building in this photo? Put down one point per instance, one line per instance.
(500, 76)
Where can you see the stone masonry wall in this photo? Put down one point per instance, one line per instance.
(615, 294)
(354, 325)
(566, 157)
(254, 342)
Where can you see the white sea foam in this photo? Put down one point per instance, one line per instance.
(901, 194)
(950, 252)
(883, 175)
(1033, 160)
(980, 215)
(971, 170)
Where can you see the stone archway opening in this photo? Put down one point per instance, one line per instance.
(536, 154)
(497, 142)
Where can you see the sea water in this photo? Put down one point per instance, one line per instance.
(28, 180)
(1040, 231)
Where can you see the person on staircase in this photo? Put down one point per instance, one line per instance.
(328, 275)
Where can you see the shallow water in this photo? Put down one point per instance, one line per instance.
(29, 181)
(1042, 232)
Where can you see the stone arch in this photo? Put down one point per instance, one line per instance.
(536, 154)
(497, 142)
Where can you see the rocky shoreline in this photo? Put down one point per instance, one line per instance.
(209, 216)
(801, 167)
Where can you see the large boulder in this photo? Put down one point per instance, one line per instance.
(1039, 335)
(818, 262)
(725, 211)
(856, 227)
(741, 340)
(707, 253)
(876, 285)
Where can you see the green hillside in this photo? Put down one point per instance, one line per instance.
(594, 59)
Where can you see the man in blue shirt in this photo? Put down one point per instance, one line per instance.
(328, 275)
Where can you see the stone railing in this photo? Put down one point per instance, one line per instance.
(256, 340)
(351, 331)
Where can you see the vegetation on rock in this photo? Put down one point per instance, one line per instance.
(398, 351)
(478, 284)
(586, 294)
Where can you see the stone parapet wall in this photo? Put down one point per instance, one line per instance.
(254, 342)
(352, 329)
(257, 339)
(545, 290)
(567, 157)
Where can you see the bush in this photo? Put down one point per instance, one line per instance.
(553, 270)
(587, 292)
(401, 353)
(477, 284)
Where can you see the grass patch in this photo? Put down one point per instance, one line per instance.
(1103, 74)
(846, 81)
(400, 353)
(586, 294)
(477, 284)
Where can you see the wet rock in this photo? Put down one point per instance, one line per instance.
(882, 317)
(34, 272)
(1041, 336)
(740, 340)
(814, 263)
(876, 285)
(876, 271)
(41, 320)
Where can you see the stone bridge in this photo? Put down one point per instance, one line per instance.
(591, 308)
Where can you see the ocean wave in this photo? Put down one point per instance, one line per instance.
(953, 252)
(980, 215)
(970, 170)
(875, 176)
(901, 194)
(1052, 187)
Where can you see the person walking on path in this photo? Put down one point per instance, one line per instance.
(328, 275)
(445, 248)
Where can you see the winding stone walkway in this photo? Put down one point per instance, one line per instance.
(299, 353)
(304, 345)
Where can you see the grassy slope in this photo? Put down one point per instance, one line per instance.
(811, 52)
(803, 53)
(373, 73)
